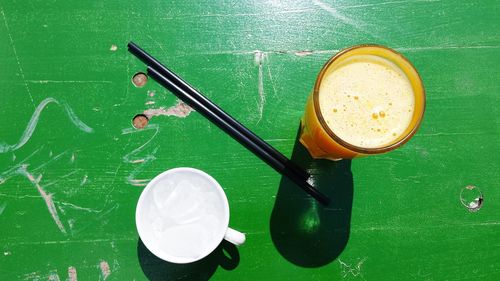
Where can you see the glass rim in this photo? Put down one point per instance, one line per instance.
(355, 148)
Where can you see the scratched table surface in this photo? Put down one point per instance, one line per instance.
(72, 166)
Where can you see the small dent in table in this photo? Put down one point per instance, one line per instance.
(471, 198)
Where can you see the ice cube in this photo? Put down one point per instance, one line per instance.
(162, 191)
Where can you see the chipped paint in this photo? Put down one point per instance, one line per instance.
(47, 197)
(105, 270)
(180, 110)
(72, 275)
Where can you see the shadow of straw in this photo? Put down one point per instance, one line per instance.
(304, 232)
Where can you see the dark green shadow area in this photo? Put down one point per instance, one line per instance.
(303, 231)
(155, 269)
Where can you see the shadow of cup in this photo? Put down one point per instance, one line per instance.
(303, 231)
(226, 255)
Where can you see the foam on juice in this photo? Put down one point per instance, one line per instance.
(186, 215)
(367, 101)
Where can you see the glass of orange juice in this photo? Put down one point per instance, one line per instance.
(367, 99)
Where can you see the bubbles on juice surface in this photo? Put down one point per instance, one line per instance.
(374, 94)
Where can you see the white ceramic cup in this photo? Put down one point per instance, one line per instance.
(182, 216)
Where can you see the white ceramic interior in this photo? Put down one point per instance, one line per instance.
(146, 199)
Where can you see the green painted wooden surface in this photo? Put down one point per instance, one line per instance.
(396, 217)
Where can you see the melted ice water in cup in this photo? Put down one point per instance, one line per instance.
(187, 215)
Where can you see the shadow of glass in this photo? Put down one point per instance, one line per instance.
(226, 256)
(304, 232)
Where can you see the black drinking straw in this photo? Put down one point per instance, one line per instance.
(167, 73)
(237, 135)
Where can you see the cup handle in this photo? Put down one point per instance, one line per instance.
(234, 236)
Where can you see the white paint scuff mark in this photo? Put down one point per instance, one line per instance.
(138, 182)
(30, 128)
(21, 71)
(116, 265)
(148, 158)
(53, 159)
(46, 197)
(76, 207)
(129, 156)
(72, 276)
(303, 53)
(69, 81)
(180, 110)
(72, 157)
(353, 270)
(5, 175)
(2, 207)
(84, 180)
(356, 24)
(7, 253)
(71, 224)
(53, 276)
(157, 43)
(72, 116)
(113, 48)
(31, 276)
(69, 174)
(105, 270)
(134, 158)
(336, 14)
(149, 102)
(259, 59)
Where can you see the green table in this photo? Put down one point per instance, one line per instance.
(72, 166)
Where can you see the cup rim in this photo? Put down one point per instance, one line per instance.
(355, 148)
(140, 207)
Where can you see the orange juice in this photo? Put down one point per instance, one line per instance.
(367, 99)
